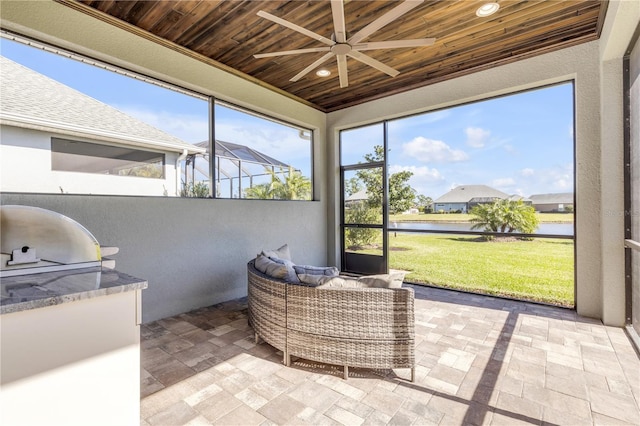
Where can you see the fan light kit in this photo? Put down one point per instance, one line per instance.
(340, 46)
(323, 73)
(487, 9)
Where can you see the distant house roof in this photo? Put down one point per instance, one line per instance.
(483, 200)
(464, 193)
(516, 197)
(557, 198)
(358, 196)
(32, 100)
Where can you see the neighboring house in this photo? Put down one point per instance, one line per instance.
(525, 200)
(464, 197)
(56, 139)
(356, 197)
(547, 203)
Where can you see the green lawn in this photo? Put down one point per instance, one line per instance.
(539, 270)
(463, 217)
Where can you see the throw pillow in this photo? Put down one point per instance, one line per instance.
(271, 268)
(393, 280)
(291, 275)
(330, 271)
(337, 282)
(312, 280)
(281, 253)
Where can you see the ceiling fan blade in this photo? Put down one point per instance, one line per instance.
(291, 52)
(295, 27)
(311, 67)
(385, 19)
(365, 59)
(394, 44)
(342, 70)
(339, 26)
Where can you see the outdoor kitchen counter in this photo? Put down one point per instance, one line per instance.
(70, 341)
(33, 291)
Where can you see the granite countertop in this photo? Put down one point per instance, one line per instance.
(33, 291)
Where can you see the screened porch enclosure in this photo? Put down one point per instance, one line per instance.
(235, 169)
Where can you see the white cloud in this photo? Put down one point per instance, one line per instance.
(422, 173)
(429, 150)
(503, 183)
(189, 128)
(281, 143)
(557, 178)
(476, 136)
(418, 121)
(509, 148)
(563, 184)
(560, 178)
(424, 178)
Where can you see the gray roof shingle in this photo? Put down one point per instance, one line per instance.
(464, 193)
(30, 99)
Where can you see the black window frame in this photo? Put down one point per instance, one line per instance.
(387, 229)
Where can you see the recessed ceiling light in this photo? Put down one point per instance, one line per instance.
(487, 9)
(323, 73)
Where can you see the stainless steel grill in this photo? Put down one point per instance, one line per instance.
(35, 240)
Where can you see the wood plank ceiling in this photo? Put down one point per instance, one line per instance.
(227, 33)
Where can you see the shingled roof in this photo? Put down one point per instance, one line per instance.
(556, 198)
(31, 100)
(464, 193)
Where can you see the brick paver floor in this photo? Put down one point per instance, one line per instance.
(480, 360)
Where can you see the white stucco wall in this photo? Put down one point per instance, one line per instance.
(595, 68)
(623, 17)
(193, 252)
(25, 166)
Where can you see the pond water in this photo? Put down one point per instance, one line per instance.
(543, 228)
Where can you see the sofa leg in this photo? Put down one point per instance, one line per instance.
(346, 372)
(257, 338)
(413, 374)
(287, 359)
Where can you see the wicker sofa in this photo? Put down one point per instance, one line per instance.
(352, 327)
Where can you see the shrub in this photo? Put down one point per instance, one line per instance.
(356, 238)
(195, 190)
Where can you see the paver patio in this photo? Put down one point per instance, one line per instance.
(480, 360)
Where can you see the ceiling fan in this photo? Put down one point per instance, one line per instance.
(340, 46)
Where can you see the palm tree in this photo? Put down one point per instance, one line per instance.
(486, 217)
(504, 216)
(295, 186)
(261, 191)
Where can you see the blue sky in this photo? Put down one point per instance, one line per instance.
(520, 144)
